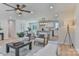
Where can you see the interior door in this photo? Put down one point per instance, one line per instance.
(11, 29)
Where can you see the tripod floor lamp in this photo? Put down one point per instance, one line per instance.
(69, 36)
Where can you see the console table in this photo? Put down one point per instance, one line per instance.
(2, 35)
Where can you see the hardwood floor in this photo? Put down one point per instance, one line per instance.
(66, 50)
(2, 42)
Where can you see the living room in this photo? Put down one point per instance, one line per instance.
(41, 26)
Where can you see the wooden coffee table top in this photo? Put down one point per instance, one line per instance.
(19, 44)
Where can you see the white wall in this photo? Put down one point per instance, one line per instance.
(63, 28)
(18, 20)
(4, 26)
(76, 41)
(25, 23)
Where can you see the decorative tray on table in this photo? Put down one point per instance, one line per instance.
(18, 43)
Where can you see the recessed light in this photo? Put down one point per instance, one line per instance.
(31, 12)
(51, 7)
(56, 15)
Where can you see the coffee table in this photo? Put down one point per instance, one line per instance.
(18, 46)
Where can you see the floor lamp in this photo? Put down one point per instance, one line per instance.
(68, 34)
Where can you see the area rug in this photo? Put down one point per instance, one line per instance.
(23, 51)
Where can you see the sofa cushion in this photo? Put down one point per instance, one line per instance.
(39, 40)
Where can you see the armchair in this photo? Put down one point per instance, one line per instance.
(41, 38)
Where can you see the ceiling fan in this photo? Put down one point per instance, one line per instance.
(19, 8)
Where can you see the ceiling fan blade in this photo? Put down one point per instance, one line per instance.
(26, 11)
(8, 5)
(23, 6)
(10, 10)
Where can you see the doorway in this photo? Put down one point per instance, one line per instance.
(11, 29)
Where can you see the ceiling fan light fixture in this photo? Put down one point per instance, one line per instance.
(19, 14)
(18, 11)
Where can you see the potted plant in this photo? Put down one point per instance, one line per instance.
(0, 28)
(20, 35)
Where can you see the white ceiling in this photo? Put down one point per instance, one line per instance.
(65, 11)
